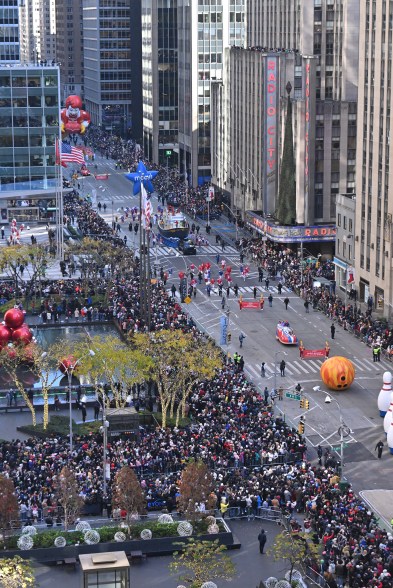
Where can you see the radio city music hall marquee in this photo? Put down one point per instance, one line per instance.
(290, 234)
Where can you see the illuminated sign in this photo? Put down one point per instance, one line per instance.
(290, 234)
(271, 89)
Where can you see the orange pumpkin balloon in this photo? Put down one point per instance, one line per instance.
(337, 373)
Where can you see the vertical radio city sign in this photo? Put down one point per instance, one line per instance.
(270, 140)
(307, 135)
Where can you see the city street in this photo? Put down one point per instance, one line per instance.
(358, 404)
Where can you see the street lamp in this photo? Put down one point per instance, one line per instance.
(343, 430)
(104, 431)
(275, 367)
(69, 371)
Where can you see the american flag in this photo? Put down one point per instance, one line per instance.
(70, 154)
(146, 208)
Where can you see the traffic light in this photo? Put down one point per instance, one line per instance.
(302, 402)
(301, 427)
(306, 404)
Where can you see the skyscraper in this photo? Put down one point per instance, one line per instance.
(374, 201)
(160, 80)
(69, 46)
(107, 63)
(37, 26)
(9, 31)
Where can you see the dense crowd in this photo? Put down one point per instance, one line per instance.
(258, 462)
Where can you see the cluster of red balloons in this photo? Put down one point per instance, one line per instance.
(15, 331)
(204, 266)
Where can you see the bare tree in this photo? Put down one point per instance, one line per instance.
(128, 494)
(196, 488)
(67, 494)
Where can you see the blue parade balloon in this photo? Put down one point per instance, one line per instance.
(142, 176)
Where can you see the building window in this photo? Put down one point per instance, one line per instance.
(339, 220)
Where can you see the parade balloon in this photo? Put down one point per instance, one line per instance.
(22, 335)
(14, 318)
(5, 335)
(67, 364)
(337, 373)
(73, 118)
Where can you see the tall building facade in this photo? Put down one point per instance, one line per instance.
(374, 187)
(107, 28)
(160, 80)
(325, 32)
(29, 127)
(9, 31)
(69, 46)
(204, 30)
(37, 26)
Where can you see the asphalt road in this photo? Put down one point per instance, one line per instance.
(358, 404)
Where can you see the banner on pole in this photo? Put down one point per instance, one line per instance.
(210, 196)
(223, 330)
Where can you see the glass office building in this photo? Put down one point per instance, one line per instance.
(29, 127)
(9, 31)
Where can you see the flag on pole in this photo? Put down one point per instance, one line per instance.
(146, 208)
(210, 196)
(68, 154)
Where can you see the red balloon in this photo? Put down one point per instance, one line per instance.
(67, 364)
(212, 281)
(208, 265)
(181, 275)
(14, 318)
(22, 335)
(201, 267)
(5, 335)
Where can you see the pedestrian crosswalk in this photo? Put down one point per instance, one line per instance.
(299, 369)
(163, 251)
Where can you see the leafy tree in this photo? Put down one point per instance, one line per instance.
(293, 549)
(33, 259)
(16, 572)
(286, 204)
(179, 361)
(10, 359)
(9, 508)
(202, 561)
(113, 362)
(196, 486)
(67, 494)
(128, 494)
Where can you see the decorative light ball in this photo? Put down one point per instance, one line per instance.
(5, 335)
(271, 582)
(67, 364)
(213, 529)
(146, 534)
(29, 530)
(165, 519)
(211, 520)
(283, 584)
(181, 586)
(296, 576)
(92, 537)
(184, 529)
(22, 335)
(337, 373)
(120, 537)
(82, 526)
(14, 318)
(25, 542)
(209, 585)
(60, 542)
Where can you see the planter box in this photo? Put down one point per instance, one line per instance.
(151, 547)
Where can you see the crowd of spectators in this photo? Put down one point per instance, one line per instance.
(258, 461)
